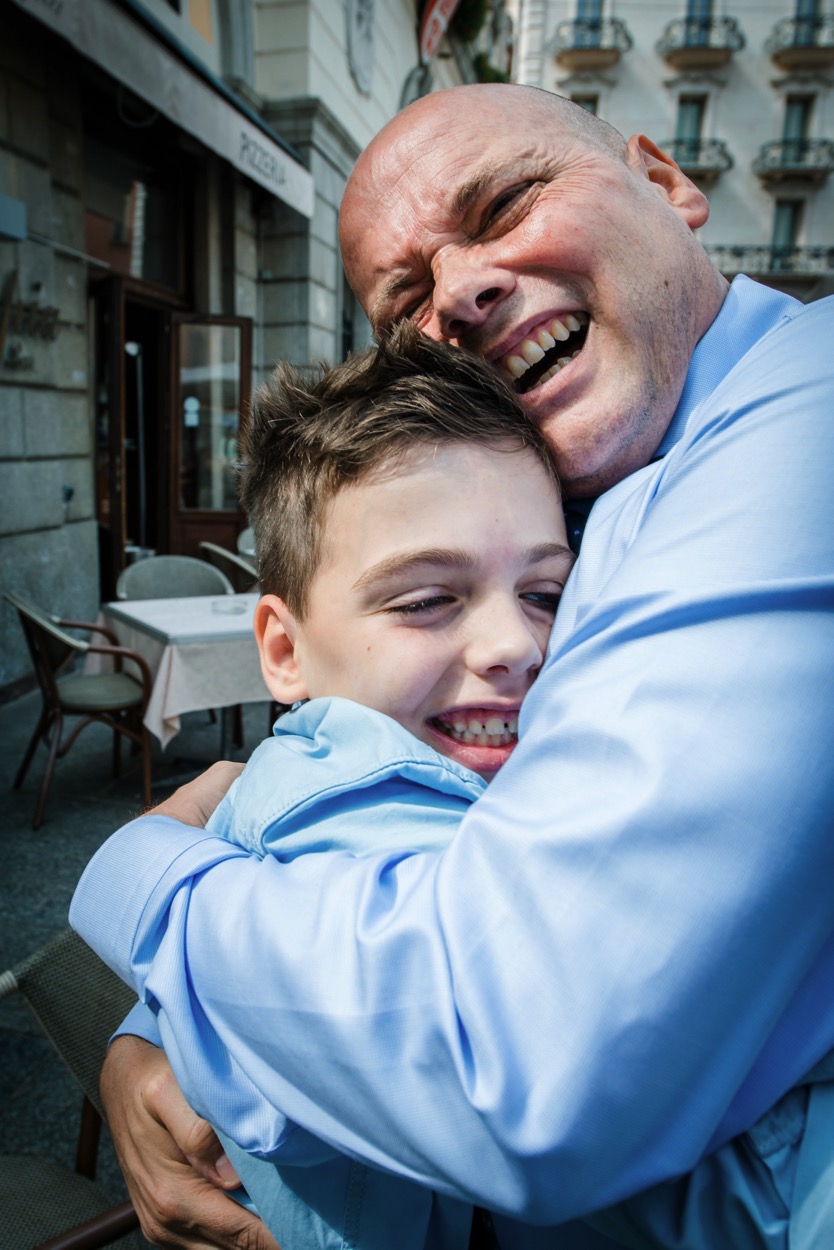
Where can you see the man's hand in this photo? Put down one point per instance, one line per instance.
(194, 802)
(173, 1163)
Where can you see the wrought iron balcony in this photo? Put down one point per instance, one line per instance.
(802, 42)
(703, 159)
(700, 42)
(799, 262)
(594, 43)
(809, 159)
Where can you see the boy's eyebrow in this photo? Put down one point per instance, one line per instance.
(447, 557)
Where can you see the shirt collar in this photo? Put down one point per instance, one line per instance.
(749, 311)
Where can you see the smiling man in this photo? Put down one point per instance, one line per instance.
(625, 958)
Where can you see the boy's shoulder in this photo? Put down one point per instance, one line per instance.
(334, 768)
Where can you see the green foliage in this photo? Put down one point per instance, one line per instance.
(468, 19)
(486, 71)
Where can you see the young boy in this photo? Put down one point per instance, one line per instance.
(412, 551)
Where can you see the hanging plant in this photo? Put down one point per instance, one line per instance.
(468, 19)
(486, 71)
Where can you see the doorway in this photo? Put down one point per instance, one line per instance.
(132, 436)
(170, 391)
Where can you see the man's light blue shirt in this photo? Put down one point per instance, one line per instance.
(626, 954)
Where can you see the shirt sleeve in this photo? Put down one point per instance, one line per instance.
(627, 952)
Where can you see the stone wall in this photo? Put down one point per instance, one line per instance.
(48, 546)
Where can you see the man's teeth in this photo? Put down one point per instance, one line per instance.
(532, 350)
(495, 731)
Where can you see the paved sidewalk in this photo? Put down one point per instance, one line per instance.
(39, 1102)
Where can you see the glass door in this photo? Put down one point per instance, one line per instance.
(210, 391)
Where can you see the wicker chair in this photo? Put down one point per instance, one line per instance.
(171, 577)
(117, 699)
(78, 1002)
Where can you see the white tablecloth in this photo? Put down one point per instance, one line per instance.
(201, 651)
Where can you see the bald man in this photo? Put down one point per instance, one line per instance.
(625, 959)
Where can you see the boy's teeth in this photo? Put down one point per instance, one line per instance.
(494, 731)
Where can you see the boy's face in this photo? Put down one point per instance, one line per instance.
(434, 599)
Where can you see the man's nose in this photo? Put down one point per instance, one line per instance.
(466, 289)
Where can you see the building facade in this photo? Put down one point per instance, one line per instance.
(170, 176)
(740, 92)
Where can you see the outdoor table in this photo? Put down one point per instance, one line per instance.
(201, 651)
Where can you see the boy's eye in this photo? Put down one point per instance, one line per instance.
(416, 606)
(546, 599)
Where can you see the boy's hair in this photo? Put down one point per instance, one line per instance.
(306, 440)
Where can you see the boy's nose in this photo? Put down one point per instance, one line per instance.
(505, 642)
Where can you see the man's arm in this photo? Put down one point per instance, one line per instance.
(627, 953)
(173, 1164)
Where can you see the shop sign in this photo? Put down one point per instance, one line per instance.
(24, 319)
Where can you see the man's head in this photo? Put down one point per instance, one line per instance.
(410, 541)
(513, 223)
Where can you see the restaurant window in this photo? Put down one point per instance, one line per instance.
(131, 215)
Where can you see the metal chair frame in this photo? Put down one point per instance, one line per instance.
(51, 649)
(240, 571)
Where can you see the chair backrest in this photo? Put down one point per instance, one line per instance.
(241, 572)
(171, 577)
(78, 1002)
(246, 541)
(49, 646)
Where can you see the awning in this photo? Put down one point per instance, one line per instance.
(124, 48)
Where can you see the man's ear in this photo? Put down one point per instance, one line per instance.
(669, 179)
(276, 631)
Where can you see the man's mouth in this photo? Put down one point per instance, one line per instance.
(483, 729)
(550, 346)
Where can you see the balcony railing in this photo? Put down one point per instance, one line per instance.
(700, 43)
(809, 159)
(800, 262)
(700, 158)
(802, 42)
(594, 43)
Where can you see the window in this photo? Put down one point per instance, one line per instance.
(588, 23)
(807, 17)
(588, 102)
(131, 214)
(787, 223)
(798, 109)
(698, 22)
(691, 110)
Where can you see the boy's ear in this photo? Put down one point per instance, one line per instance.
(669, 179)
(275, 632)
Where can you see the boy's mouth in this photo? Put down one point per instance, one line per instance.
(479, 727)
(546, 350)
